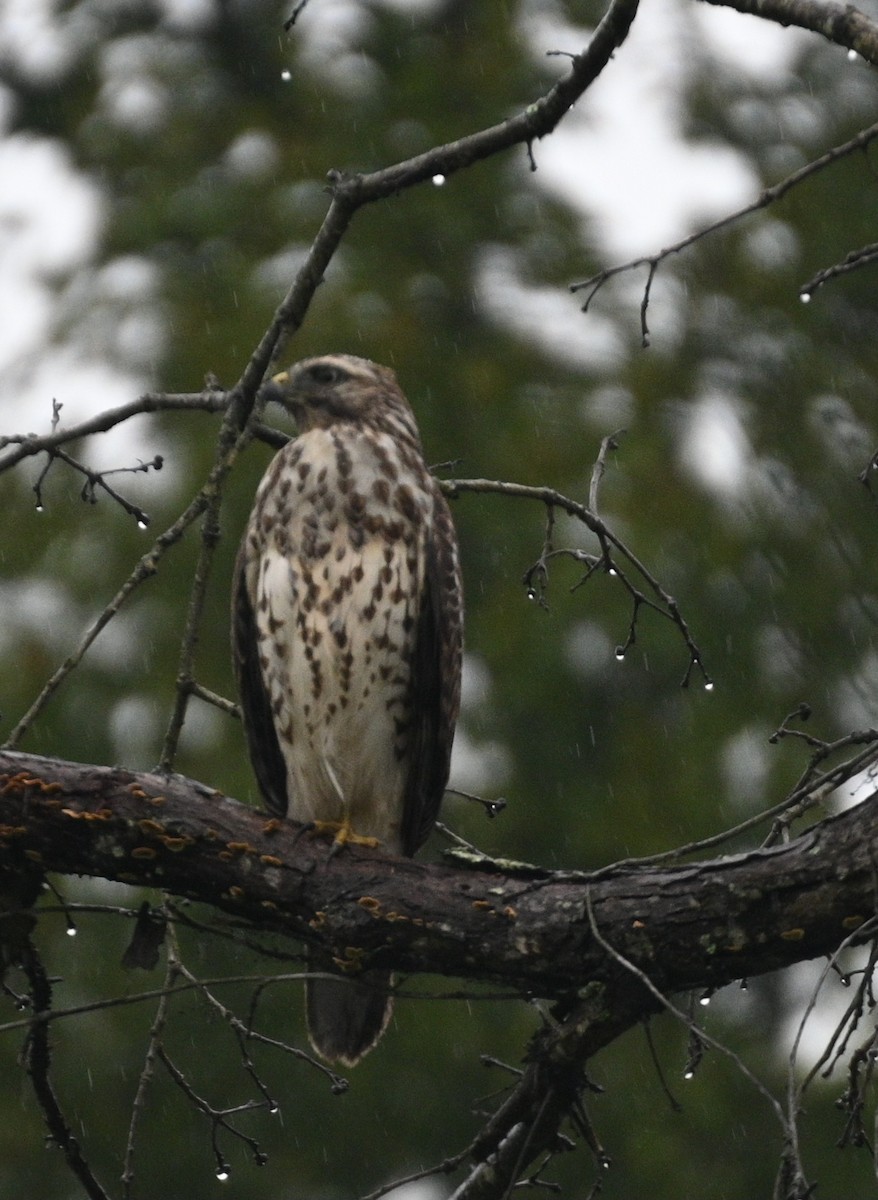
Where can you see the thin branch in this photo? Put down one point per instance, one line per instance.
(147, 1072)
(246, 1032)
(229, 707)
(352, 192)
(145, 569)
(30, 444)
(853, 261)
(233, 437)
(78, 1010)
(683, 1017)
(219, 1118)
(38, 1061)
(791, 1167)
(492, 808)
(797, 802)
(842, 24)
(98, 479)
(770, 195)
(847, 1025)
(663, 603)
(536, 577)
(609, 443)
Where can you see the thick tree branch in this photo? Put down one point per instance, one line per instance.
(695, 926)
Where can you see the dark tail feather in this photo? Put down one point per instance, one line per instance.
(346, 1017)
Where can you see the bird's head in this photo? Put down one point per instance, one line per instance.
(336, 388)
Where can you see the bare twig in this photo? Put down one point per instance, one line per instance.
(661, 601)
(147, 1072)
(352, 192)
(219, 1118)
(853, 261)
(791, 1165)
(98, 479)
(492, 808)
(245, 1031)
(38, 1061)
(30, 444)
(772, 1101)
(770, 195)
(536, 577)
(145, 569)
(609, 443)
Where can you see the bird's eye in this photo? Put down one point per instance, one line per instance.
(326, 374)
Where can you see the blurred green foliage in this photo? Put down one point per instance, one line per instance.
(747, 423)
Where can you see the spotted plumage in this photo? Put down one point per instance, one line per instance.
(347, 637)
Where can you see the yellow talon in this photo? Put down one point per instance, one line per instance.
(342, 834)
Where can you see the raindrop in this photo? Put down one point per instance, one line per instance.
(708, 687)
(141, 524)
(438, 180)
(689, 1073)
(704, 1000)
(620, 653)
(40, 508)
(286, 76)
(805, 297)
(71, 931)
(222, 1173)
(531, 593)
(274, 1109)
(845, 980)
(612, 571)
(852, 56)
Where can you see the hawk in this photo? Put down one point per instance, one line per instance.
(347, 637)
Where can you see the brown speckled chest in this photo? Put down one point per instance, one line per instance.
(336, 578)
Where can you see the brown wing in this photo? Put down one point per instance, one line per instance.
(265, 752)
(435, 688)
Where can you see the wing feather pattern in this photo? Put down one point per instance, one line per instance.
(262, 742)
(435, 681)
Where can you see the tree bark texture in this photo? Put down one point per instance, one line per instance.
(699, 925)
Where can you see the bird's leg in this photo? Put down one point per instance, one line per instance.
(346, 836)
(342, 833)
(342, 830)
